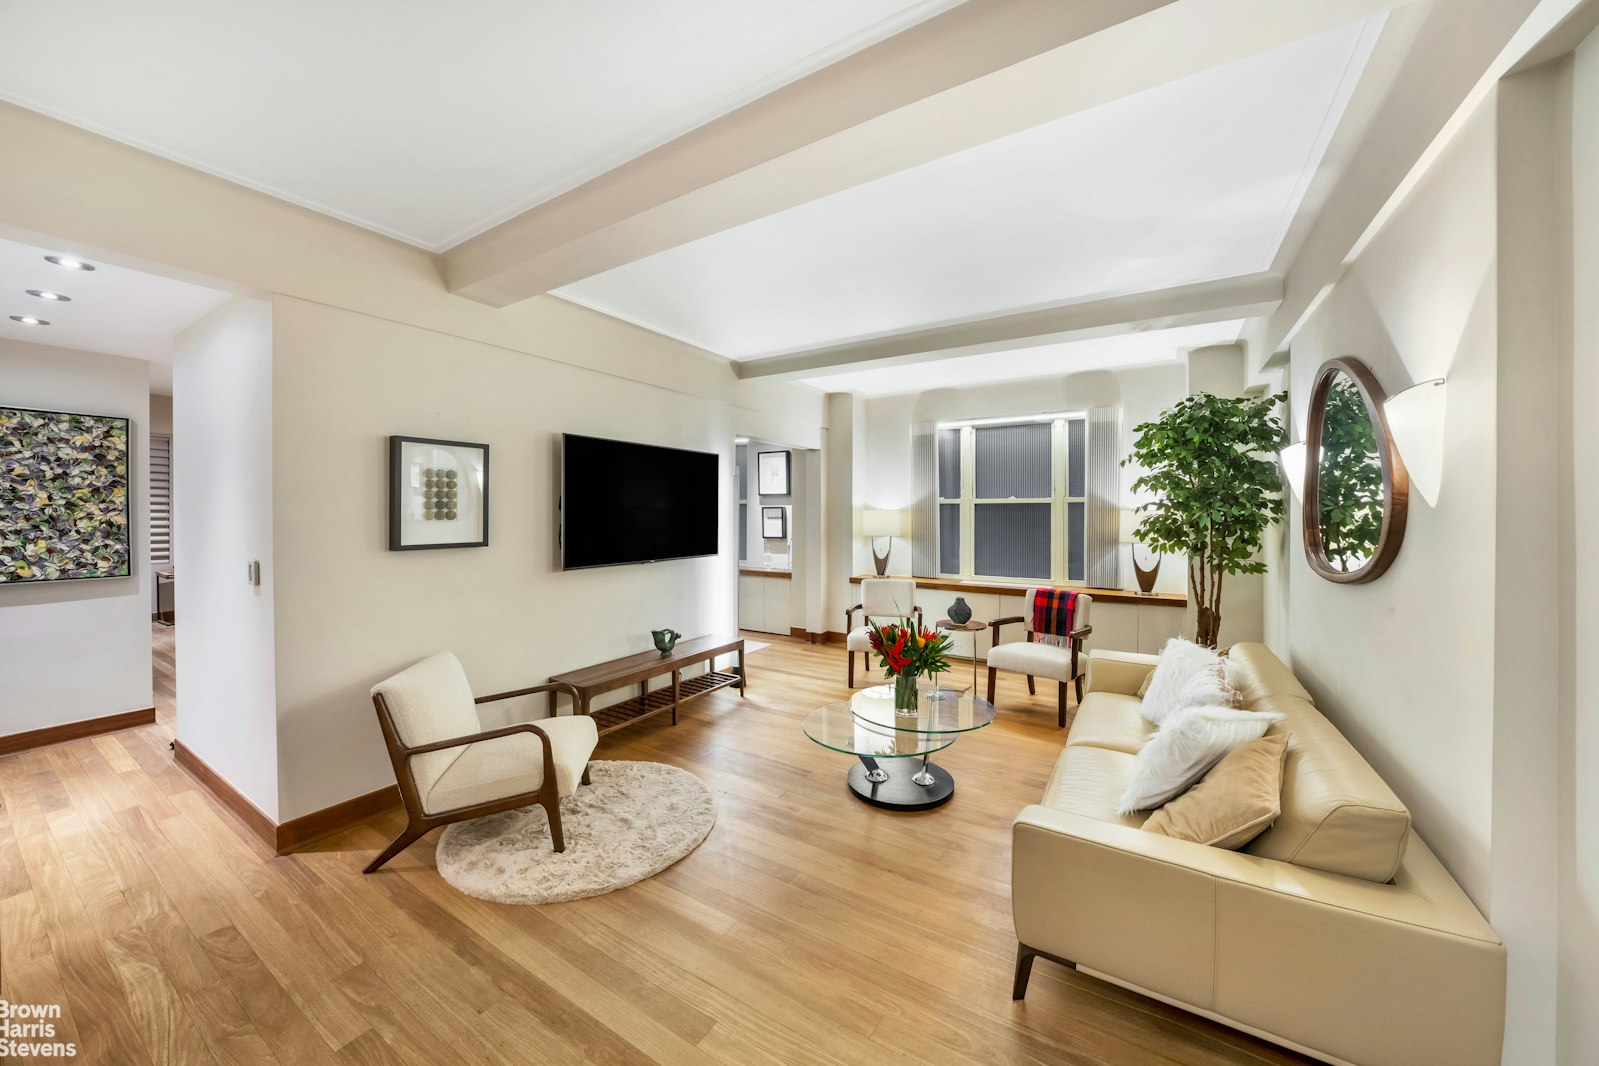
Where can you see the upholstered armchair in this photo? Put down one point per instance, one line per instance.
(1061, 664)
(449, 768)
(883, 600)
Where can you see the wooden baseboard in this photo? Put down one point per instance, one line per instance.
(90, 727)
(254, 818)
(296, 833)
(815, 638)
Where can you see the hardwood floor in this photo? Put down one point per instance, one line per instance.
(808, 928)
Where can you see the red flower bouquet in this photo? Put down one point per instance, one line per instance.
(907, 652)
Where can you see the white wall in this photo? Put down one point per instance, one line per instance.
(222, 516)
(503, 373)
(160, 414)
(1532, 126)
(75, 650)
(839, 493)
(1404, 664)
(350, 612)
(1447, 672)
(1578, 824)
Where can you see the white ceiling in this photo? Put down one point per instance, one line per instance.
(113, 310)
(1193, 181)
(426, 121)
(1050, 360)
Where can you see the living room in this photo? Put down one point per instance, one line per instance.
(904, 422)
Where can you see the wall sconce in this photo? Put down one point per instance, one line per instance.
(888, 524)
(1416, 424)
(1293, 460)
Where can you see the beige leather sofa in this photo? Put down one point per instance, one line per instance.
(1336, 932)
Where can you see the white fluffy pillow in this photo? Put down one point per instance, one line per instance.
(1184, 749)
(1210, 687)
(1180, 661)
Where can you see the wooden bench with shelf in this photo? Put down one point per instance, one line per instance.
(639, 669)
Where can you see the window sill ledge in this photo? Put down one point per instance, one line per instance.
(948, 584)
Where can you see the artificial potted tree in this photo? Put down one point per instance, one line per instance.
(1210, 475)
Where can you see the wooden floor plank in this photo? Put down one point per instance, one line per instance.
(807, 929)
(92, 990)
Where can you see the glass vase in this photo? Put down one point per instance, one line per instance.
(905, 694)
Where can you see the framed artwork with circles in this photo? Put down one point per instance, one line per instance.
(438, 494)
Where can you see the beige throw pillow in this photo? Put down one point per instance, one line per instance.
(1144, 688)
(1184, 749)
(1236, 802)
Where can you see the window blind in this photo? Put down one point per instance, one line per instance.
(1102, 542)
(924, 505)
(160, 500)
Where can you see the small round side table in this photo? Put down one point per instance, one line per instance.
(972, 626)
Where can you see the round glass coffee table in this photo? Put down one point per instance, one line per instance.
(868, 728)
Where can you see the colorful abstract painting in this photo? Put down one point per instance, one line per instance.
(64, 512)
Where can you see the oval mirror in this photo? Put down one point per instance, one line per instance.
(1357, 492)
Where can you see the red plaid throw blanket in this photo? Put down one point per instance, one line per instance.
(1052, 615)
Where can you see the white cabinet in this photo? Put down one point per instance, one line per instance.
(763, 603)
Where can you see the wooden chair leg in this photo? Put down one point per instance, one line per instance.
(851, 657)
(552, 807)
(410, 836)
(1078, 682)
(1024, 969)
(1031, 689)
(1060, 704)
(992, 673)
(586, 780)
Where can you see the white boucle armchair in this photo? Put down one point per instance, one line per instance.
(449, 768)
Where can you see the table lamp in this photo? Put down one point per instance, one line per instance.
(876, 523)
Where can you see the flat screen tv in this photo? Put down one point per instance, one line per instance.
(635, 503)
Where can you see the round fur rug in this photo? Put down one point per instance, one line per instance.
(635, 820)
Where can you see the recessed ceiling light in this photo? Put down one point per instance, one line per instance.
(66, 262)
(29, 320)
(45, 295)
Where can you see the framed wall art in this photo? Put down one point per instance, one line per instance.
(438, 494)
(774, 523)
(771, 473)
(65, 508)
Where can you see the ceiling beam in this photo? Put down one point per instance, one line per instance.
(979, 72)
(1186, 305)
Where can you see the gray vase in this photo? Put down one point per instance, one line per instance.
(960, 612)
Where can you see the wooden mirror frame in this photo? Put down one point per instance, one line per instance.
(1395, 478)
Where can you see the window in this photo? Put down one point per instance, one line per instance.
(1012, 499)
(160, 500)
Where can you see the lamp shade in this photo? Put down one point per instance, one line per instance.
(876, 523)
(1293, 460)
(1416, 423)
